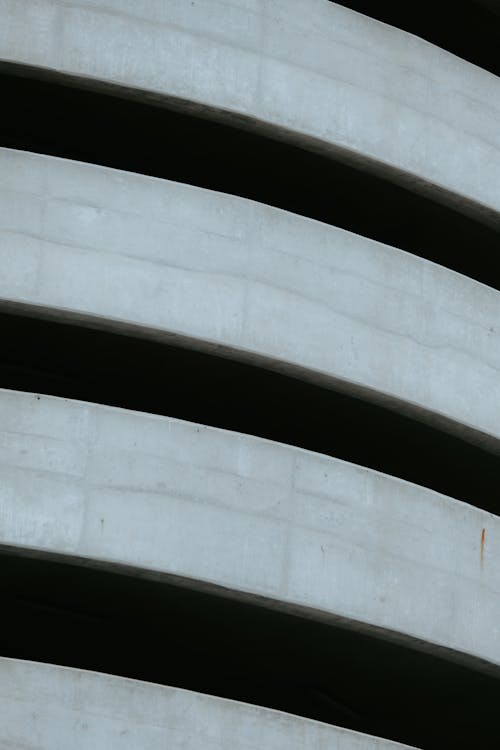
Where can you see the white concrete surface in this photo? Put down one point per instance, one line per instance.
(310, 70)
(45, 707)
(299, 530)
(257, 283)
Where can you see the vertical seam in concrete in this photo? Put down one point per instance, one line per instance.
(58, 32)
(91, 435)
(290, 525)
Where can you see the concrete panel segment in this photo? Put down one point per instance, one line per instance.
(314, 72)
(216, 272)
(255, 519)
(45, 707)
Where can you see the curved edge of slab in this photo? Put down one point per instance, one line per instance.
(390, 102)
(259, 520)
(211, 271)
(47, 707)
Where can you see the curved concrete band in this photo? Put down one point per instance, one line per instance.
(45, 707)
(393, 103)
(213, 271)
(259, 520)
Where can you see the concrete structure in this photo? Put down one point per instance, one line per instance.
(52, 708)
(258, 524)
(392, 102)
(217, 272)
(256, 518)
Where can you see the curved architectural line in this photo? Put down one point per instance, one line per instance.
(468, 29)
(319, 74)
(214, 271)
(46, 707)
(257, 519)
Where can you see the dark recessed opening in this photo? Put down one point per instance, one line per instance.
(118, 624)
(155, 631)
(108, 368)
(467, 28)
(51, 118)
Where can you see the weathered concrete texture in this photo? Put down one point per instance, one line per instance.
(298, 529)
(256, 282)
(329, 77)
(45, 707)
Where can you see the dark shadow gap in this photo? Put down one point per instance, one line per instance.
(75, 123)
(469, 29)
(108, 368)
(154, 631)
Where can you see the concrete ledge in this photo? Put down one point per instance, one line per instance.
(263, 521)
(322, 75)
(45, 707)
(212, 271)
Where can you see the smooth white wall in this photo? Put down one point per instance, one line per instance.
(210, 270)
(317, 72)
(303, 531)
(45, 707)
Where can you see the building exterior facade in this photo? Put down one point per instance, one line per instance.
(250, 391)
